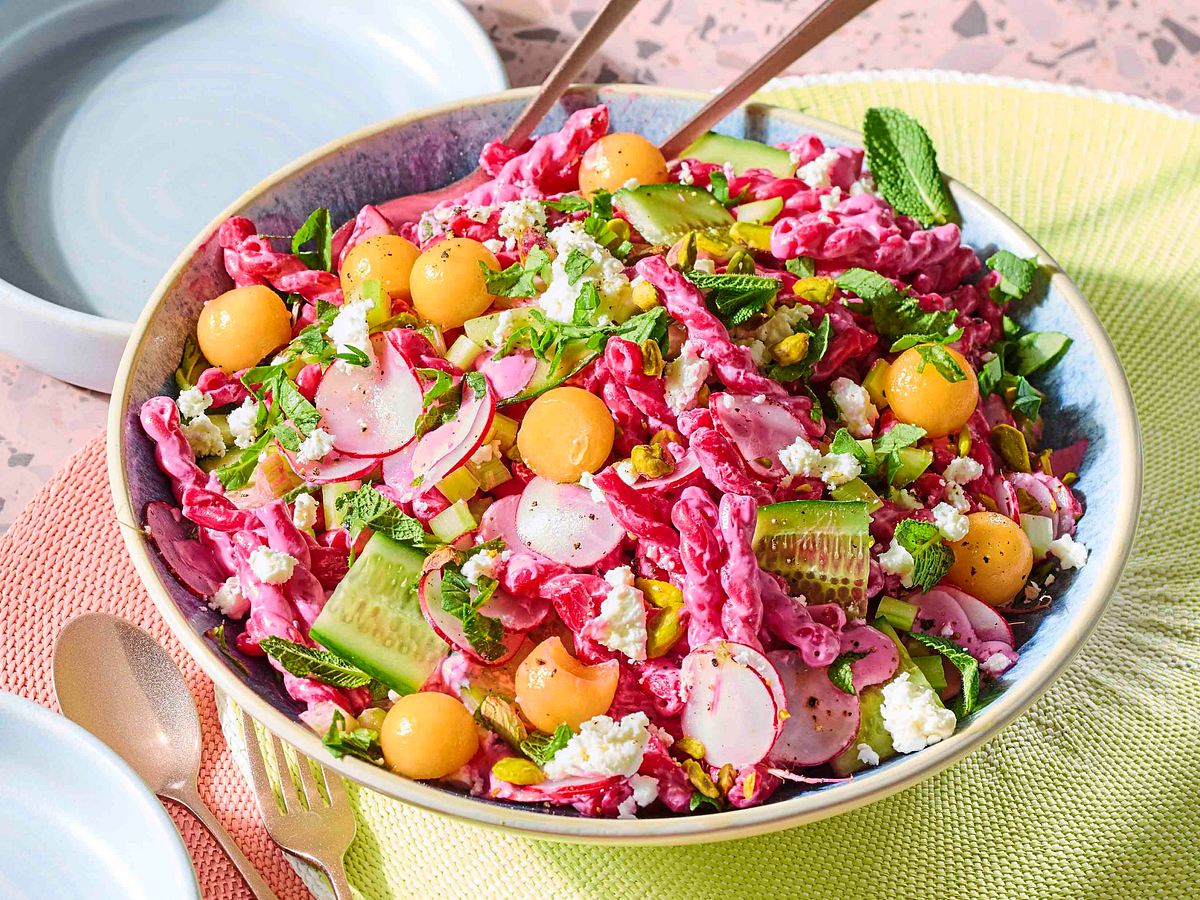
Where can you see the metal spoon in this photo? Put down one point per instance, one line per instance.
(116, 681)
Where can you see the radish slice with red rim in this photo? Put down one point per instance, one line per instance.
(758, 429)
(996, 658)
(987, 624)
(500, 521)
(823, 720)
(398, 473)
(1006, 499)
(450, 628)
(516, 614)
(449, 446)
(507, 375)
(939, 613)
(732, 702)
(686, 470)
(370, 410)
(881, 660)
(333, 467)
(562, 790)
(193, 564)
(564, 523)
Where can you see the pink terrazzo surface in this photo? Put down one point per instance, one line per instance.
(1150, 48)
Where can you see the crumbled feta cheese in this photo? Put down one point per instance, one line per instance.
(624, 470)
(243, 423)
(203, 436)
(494, 245)
(478, 213)
(506, 324)
(519, 216)
(830, 201)
(864, 185)
(816, 173)
(1071, 554)
(315, 447)
(957, 497)
(228, 599)
(898, 561)
(705, 265)
(802, 459)
(825, 218)
(304, 511)
(867, 755)
(913, 716)
(588, 481)
(963, 470)
(351, 329)
(621, 624)
(855, 406)
(645, 792)
(606, 272)
(603, 747)
(192, 403)
(480, 565)
(486, 453)
(685, 173)
(906, 499)
(781, 325)
(996, 664)
(758, 352)
(947, 630)
(270, 566)
(760, 399)
(950, 522)
(685, 376)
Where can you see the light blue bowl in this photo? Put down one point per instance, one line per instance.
(1089, 396)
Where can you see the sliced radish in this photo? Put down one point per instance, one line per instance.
(450, 628)
(1069, 459)
(193, 564)
(449, 446)
(759, 429)
(987, 624)
(881, 660)
(988, 651)
(1006, 499)
(398, 473)
(334, 467)
(939, 613)
(516, 614)
(1067, 505)
(508, 375)
(564, 522)
(371, 410)
(687, 470)
(822, 719)
(500, 521)
(368, 223)
(732, 702)
(1035, 488)
(562, 790)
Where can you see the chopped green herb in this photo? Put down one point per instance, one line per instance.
(237, 474)
(541, 748)
(367, 508)
(1027, 399)
(895, 314)
(362, 743)
(318, 231)
(462, 600)
(313, 662)
(719, 185)
(577, 265)
(568, 203)
(939, 357)
(1016, 275)
(903, 161)
(968, 700)
(841, 671)
(801, 267)
(519, 279)
(931, 558)
(736, 298)
(586, 304)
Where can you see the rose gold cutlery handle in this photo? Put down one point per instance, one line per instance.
(820, 23)
(598, 31)
(200, 810)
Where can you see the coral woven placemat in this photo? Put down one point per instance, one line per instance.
(1092, 793)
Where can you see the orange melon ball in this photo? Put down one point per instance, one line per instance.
(993, 561)
(616, 158)
(554, 687)
(448, 287)
(386, 258)
(566, 432)
(920, 394)
(241, 327)
(428, 735)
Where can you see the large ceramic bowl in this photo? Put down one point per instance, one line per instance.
(1089, 397)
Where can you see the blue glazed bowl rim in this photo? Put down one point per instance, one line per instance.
(899, 774)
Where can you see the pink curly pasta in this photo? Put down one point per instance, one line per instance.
(695, 516)
(741, 616)
(249, 259)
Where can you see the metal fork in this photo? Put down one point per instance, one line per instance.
(310, 828)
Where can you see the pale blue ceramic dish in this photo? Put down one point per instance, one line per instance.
(1088, 391)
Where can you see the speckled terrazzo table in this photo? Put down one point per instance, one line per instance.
(1149, 48)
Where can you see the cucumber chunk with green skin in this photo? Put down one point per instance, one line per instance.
(374, 618)
(913, 463)
(664, 213)
(759, 212)
(870, 727)
(741, 153)
(821, 547)
(329, 497)
(857, 489)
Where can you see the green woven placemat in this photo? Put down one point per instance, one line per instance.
(1093, 792)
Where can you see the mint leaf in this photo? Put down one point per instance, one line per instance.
(477, 382)
(992, 372)
(367, 508)
(294, 405)
(897, 437)
(903, 162)
(318, 231)
(313, 662)
(462, 600)
(931, 558)
(362, 743)
(568, 203)
(586, 304)
(1038, 350)
(1027, 400)
(1016, 275)
(541, 748)
(968, 700)
(519, 279)
(237, 474)
(946, 365)
(845, 442)
(913, 340)
(801, 267)
(577, 265)
(735, 297)
(353, 356)
(841, 671)
(895, 314)
(719, 185)
(442, 384)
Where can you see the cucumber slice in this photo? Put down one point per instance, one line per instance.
(575, 355)
(1040, 531)
(913, 463)
(857, 489)
(759, 212)
(329, 498)
(664, 213)
(822, 548)
(741, 153)
(481, 328)
(374, 618)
